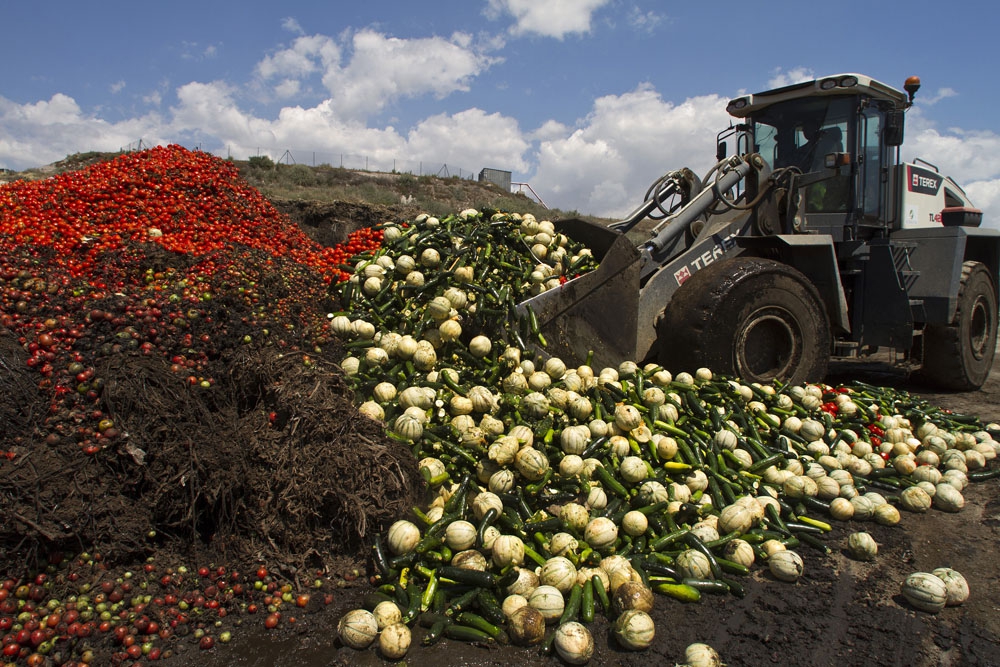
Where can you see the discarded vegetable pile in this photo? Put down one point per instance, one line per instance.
(170, 384)
(560, 492)
(173, 354)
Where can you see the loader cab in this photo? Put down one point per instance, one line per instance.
(832, 141)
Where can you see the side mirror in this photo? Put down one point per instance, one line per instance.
(893, 132)
(720, 151)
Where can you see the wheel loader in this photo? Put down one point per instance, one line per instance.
(809, 239)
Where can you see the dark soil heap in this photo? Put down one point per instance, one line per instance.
(170, 380)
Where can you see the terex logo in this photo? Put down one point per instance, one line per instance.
(714, 252)
(922, 181)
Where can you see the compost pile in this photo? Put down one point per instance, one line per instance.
(169, 374)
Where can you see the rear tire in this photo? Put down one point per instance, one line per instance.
(748, 317)
(959, 355)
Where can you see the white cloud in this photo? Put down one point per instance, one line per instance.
(49, 130)
(209, 108)
(547, 18)
(986, 196)
(117, 87)
(195, 51)
(292, 25)
(385, 69)
(366, 71)
(646, 22)
(307, 55)
(471, 137)
(623, 145)
(965, 155)
(942, 94)
(781, 78)
(288, 88)
(551, 130)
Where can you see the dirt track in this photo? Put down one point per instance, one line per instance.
(842, 612)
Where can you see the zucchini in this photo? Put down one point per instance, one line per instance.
(461, 575)
(415, 595)
(572, 608)
(662, 543)
(462, 602)
(692, 541)
(735, 587)
(489, 607)
(465, 633)
(608, 481)
(488, 518)
(681, 592)
(706, 585)
(600, 593)
(435, 632)
(467, 618)
(428, 619)
(378, 555)
(983, 475)
(427, 599)
(814, 542)
(732, 567)
(371, 600)
(587, 602)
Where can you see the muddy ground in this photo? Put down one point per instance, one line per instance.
(842, 612)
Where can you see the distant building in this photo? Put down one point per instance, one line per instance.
(497, 177)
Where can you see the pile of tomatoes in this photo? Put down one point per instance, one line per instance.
(164, 252)
(187, 202)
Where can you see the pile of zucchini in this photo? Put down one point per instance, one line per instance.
(556, 494)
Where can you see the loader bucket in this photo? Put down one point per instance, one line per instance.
(596, 312)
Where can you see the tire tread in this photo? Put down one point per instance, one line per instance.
(944, 361)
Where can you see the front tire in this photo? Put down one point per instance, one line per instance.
(959, 355)
(749, 317)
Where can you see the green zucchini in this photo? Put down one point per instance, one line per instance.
(601, 594)
(587, 602)
(467, 618)
(679, 591)
(465, 633)
(572, 608)
(706, 585)
(463, 575)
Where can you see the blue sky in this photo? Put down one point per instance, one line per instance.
(587, 100)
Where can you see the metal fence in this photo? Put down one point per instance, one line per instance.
(355, 161)
(367, 163)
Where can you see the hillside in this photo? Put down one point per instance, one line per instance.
(330, 202)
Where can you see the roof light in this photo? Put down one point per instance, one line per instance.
(738, 103)
(827, 84)
(848, 81)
